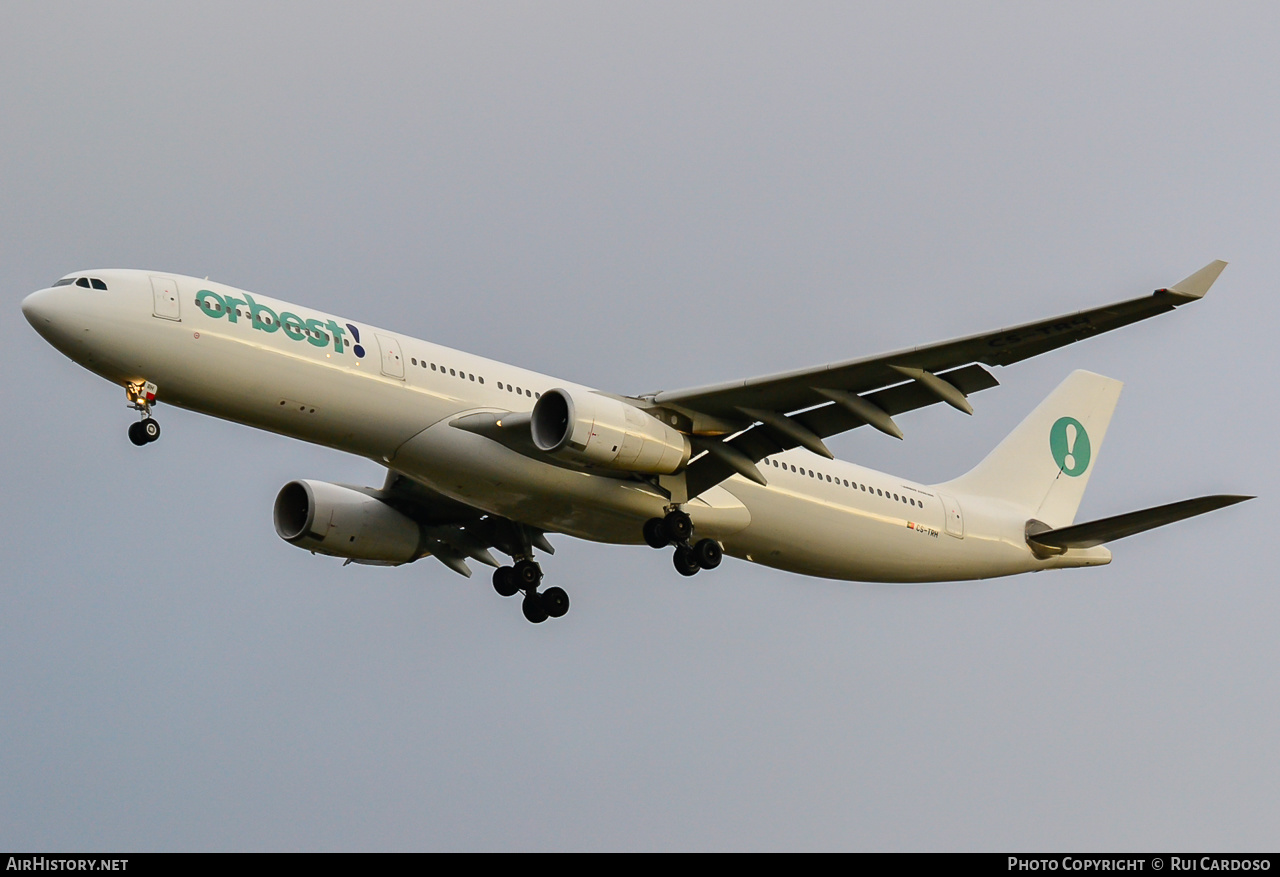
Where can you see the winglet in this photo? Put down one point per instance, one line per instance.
(1197, 284)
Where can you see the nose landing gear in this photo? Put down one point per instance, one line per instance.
(676, 528)
(141, 398)
(144, 431)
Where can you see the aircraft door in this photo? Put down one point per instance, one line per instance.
(392, 361)
(955, 518)
(164, 292)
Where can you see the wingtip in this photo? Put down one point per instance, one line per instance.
(1198, 284)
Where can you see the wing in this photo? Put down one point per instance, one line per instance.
(455, 531)
(758, 415)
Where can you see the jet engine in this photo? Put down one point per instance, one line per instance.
(599, 431)
(344, 522)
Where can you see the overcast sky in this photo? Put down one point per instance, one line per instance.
(639, 197)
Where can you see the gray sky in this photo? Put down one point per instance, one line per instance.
(643, 196)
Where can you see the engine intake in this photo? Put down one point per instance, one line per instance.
(599, 431)
(343, 522)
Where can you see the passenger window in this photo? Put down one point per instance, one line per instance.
(415, 360)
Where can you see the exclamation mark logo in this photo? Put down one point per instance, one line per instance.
(1069, 444)
(357, 349)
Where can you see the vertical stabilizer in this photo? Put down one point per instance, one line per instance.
(1045, 464)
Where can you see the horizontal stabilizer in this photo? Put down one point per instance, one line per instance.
(1117, 527)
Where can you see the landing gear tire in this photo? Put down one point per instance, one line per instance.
(150, 429)
(655, 533)
(136, 435)
(708, 553)
(527, 573)
(686, 563)
(555, 602)
(504, 581)
(678, 527)
(533, 609)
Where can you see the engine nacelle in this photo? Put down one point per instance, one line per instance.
(342, 522)
(600, 431)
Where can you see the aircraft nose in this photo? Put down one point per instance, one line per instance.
(52, 315)
(36, 309)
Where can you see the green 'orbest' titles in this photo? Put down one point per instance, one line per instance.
(264, 319)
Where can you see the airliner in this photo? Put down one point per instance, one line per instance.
(482, 456)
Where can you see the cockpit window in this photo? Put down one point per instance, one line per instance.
(86, 282)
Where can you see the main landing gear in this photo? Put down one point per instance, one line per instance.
(677, 529)
(141, 398)
(525, 576)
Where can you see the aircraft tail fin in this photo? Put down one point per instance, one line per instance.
(1045, 463)
(1088, 535)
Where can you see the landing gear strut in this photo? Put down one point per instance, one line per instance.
(676, 528)
(141, 398)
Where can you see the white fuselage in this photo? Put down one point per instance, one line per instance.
(390, 398)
